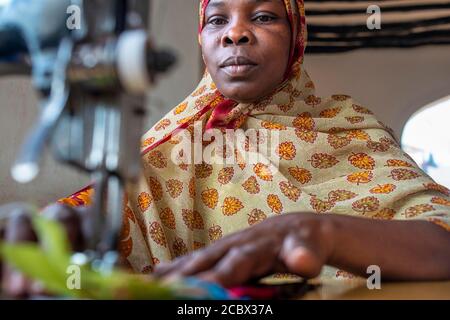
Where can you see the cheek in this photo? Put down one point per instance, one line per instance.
(209, 52)
(208, 49)
(277, 53)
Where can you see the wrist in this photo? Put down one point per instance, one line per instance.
(320, 230)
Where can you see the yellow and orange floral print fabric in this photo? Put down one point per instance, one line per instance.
(333, 156)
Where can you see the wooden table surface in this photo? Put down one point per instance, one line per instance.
(357, 289)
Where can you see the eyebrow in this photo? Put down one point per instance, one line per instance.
(219, 3)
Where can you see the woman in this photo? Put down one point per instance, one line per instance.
(335, 166)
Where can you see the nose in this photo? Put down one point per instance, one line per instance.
(237, 34)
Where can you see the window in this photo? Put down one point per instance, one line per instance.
(426, 138)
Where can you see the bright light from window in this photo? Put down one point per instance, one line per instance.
(426, 137)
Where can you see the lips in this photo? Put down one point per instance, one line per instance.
(237, 61)
(236, 66)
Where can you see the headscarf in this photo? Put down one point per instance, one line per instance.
(333, 156)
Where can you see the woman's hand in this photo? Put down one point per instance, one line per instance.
(303, 243)
(299, 243)
(20, 229)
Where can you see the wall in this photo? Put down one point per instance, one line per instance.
(175, 26)
(393, 83)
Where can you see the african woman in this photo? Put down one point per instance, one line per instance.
(336, 192)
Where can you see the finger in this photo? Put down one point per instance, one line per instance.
(2, 231)
(18, 229)
(165, 268)
(239, 266)
(71, 221)
(199, 262)
(15, 284)
(188, 262)
(2, 237)
(88, 218)
(37, 289)
(300, 257)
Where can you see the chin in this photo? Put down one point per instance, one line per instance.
(240, 92)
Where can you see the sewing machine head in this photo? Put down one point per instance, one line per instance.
(92, 63)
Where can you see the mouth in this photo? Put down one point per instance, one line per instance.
(238, 66)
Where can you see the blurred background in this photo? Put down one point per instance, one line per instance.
(400, 71)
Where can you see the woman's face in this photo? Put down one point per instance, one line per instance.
(245, 46)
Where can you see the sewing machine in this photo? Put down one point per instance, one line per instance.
(92, 63)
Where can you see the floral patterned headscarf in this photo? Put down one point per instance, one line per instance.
(332, 156)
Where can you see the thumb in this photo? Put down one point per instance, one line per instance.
(300, 257)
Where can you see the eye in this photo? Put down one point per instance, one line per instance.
(217, 21)
(264, 18)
